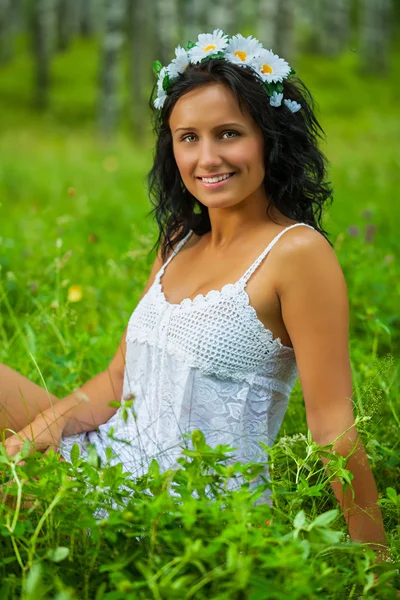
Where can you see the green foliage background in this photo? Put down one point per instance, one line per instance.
(73, 213)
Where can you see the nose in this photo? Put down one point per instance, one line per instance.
(209, 156)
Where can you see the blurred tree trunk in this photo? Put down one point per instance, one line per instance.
(67, 22)
(245, 23)
(10, 18)
(196, 20)
(166, 18)
(374, 36)
(284, 30)
(223, 15)
(276, 27)
(6, 50)
(268, 10)
(141, 34)
(329, 24)
(110, 70)
(86, 18)
(335, 26)
(42, 20)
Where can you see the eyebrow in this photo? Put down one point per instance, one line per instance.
(213, 129)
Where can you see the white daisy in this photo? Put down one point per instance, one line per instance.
(276, 99)
(159, 101)
(293, 105)
(270, 67)
(241, 50)
(179, 64)
(160, 79)
(208, 43)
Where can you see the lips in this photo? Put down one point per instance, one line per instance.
(212, 176)
(217, 184)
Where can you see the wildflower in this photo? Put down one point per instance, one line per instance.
(271, 67)
(208, 43)
(276, 99)
(241, 50)
(178, 64)
(75, 293)
(353, 231)
(292, 105)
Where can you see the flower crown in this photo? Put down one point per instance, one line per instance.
(248, 52)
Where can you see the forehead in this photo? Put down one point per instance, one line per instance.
(207, 106)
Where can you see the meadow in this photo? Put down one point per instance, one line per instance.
(75, 254)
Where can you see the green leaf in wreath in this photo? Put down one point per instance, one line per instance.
(166, 82)
(157, 66)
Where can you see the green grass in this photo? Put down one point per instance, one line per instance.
(73, 213)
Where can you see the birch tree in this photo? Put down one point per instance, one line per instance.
(223, 15)
(284, 30)
(42, 19)
(374, 35)
(195, 20)
(110, 69)
(334, 26)
(10, 20)
(67, 22)
(328, 24)
(166, 17)
(87, 17)
(141, 44)
(276, 26)
(5, 38)
(267, 22)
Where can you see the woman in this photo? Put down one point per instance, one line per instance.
(245, 294)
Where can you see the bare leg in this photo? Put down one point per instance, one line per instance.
(21, 400)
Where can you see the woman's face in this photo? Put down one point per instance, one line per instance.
(212, 137)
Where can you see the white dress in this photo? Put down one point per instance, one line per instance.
(207, 363)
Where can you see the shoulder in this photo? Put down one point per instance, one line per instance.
(304, 254)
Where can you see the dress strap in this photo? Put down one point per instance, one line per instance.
(244, 279)
(174, 252)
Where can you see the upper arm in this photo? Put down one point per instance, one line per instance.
(315, 310)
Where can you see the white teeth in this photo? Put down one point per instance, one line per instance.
(215, 179)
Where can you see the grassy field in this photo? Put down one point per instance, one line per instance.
(75, 241)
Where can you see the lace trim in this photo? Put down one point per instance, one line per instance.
(258, 381)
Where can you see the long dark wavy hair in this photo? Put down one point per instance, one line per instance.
(295, 168)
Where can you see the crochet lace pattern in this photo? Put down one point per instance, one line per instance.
(218, 333)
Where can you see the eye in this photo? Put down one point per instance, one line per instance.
(189, 135)
(235, 132)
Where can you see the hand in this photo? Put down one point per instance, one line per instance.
(44, 432)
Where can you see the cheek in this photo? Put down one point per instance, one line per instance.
(249, 154)
(183, 161)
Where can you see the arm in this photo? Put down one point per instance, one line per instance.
(315, 310)
(86, 408)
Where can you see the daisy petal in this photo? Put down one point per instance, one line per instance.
(178, 64)
(271, 67)
(241, 50)
(207, 44)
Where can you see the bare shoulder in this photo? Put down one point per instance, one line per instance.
(305, 254)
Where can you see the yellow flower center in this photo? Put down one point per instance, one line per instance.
(241, 55)
(210, 47)
(266, 69)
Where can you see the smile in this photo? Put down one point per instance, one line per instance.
(213, 182)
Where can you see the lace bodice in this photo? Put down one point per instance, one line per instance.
(207, 363)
